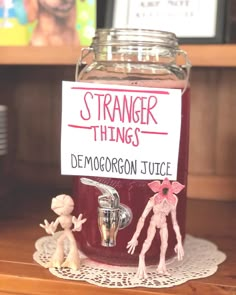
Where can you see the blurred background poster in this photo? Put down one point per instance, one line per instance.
(193, 21)
(47, 22)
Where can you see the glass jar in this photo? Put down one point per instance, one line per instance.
(137, 58)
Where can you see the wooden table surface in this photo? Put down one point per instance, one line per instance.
(19, 274)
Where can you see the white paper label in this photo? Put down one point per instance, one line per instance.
(120, 131)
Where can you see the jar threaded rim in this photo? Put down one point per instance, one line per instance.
(134, 37)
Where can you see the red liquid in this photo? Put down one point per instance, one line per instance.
(135, 194)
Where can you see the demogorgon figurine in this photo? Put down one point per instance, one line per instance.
(163, 203)
(63, 205)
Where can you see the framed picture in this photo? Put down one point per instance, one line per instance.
(230, 34)
(47, 23)
(193, 21)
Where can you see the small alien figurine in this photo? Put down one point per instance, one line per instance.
(63, 205)
(162, 203)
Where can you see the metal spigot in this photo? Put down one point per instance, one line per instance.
(112, 216)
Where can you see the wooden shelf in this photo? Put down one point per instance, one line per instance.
(39, 55)
(223, 55)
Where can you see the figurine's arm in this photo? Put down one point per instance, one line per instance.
(78, 222)
(50, 228)
(179, 247)
(134, 241)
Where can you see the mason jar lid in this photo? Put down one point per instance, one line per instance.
(134, 37)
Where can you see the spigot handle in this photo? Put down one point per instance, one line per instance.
(88, 181)
(109, 198)
(112, 216)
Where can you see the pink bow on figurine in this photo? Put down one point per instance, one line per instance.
(165, 190)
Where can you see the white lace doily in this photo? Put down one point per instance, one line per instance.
(201, 260)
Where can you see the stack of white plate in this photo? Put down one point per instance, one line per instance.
(3, 130)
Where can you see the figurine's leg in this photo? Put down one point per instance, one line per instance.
(141, 272)
(73, 260)
(161, 269)
(58, 256)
